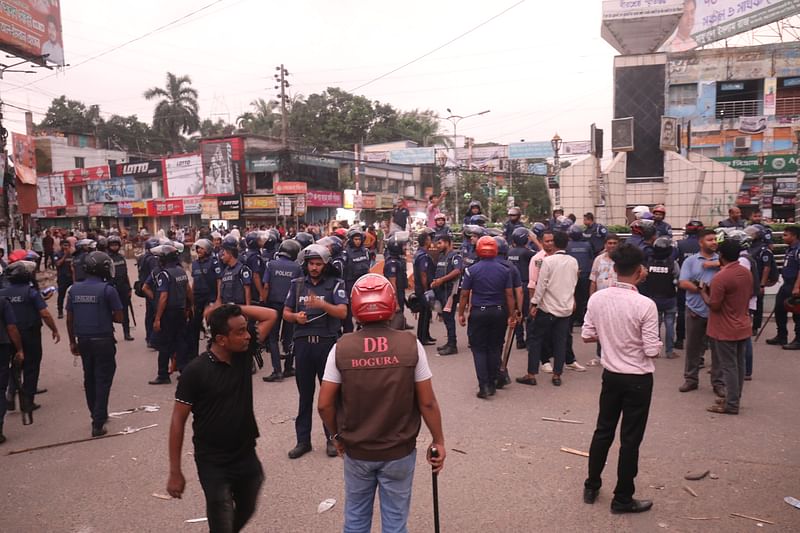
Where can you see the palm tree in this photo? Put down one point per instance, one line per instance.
(177, 111)
(263, 120)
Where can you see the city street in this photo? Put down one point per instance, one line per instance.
(504, 470)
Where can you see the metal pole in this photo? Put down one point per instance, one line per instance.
(284, 121)
(456, 215)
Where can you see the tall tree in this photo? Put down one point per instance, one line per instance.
(176, 112)
(71, 116)
(264, 119)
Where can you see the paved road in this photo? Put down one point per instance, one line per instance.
(508, 474)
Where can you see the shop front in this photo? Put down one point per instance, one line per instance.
(770, 183)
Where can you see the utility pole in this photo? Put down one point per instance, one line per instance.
(280, 79)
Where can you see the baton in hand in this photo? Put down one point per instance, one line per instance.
(435, 477)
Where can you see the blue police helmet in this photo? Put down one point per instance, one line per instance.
(205, 244)
(273, 237)
(304, 238)
(395, 246)
(479, 220)
(166, 252)
(289, 249)
(114, 239)
(575, 232)
(473, 230)
(755, 232)
(520, 236)
(493, 232)
(252, 239)
(151, 243)
(22, 271)
(563, 224)
(230, 244)
(538, 229)
(502, 246)
(99, 264)
(314, 251)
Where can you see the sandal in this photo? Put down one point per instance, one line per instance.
(525, 380)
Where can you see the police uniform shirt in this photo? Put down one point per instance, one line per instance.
(521, 257)
(393, 267)
(174, 281)
(27, 303)
(596, 235)
(318, 323)
(516, 277)
(440, 231)
(205, 273)
(337, 262)
(422, 263)
(487, 279)
(763, 257)
(7, 318)
(234, 279)
(582, 252)
(445, 265)
(78, 261)
(791, 263)
(63, 272)
(400, 217)
(253, 259)
(148, 264)
(662, 229)
(509, 227)
(92, 303)
(121, 280)
(356, 262)
(279, 275)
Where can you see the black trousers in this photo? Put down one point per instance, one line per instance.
(310, 358)
(6, 353)
(171, 340)
(581, 299)
(424, 322)
(98, 356)
(274, 338)
(348, 322)
(519, 331)
(125, 297)
(194, 326)
(231, 492)
(62, 293)
(487, 328)
(627, 395)
(32, 347)
(758, 317)
(680, 324)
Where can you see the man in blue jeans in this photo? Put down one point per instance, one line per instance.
(387, 370)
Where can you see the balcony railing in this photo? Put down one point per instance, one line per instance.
(739, 108)
(788, 107)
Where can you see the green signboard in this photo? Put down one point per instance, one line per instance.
(785, 164)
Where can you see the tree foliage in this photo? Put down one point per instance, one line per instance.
(492, 191)
(264, 119)
(176, 112)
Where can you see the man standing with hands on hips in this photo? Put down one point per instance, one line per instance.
(388, 371)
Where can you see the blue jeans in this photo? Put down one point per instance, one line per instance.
(667, 317)
(393, 480)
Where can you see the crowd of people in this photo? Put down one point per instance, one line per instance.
(319, 306)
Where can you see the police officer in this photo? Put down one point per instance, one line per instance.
(516, 284)
(147, 266)
(595, 233)
(474, 208)
(93, 306)
(30, 310)
(584, 255)
(174, 307)
(317, 304)
(334, 246)
(10, 352)
(449, 267)
(272, 240)
(83, 247)
(487, 289)
(236, 279)
(440, 225)
(206, 272)
(356, 264)
(278, 278)
(253, 259)
(216, 239)
(479, 220)
(513, 222)
(767, 270)
(394, 270)
(520, 256)
(660, 285)
(121, 280)
(790, 287)
(63, 262)
(662, 228)
(305, 239)
(424, 269)
(471, 235)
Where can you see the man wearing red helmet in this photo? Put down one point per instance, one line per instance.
(387, 370)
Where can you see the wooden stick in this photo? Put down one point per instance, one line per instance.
(126, 431)
(690, 491)
(701, 517)
(564, 420)
(753, 518)
(574, 451)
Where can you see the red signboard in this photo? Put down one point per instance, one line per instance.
(82, 175)
(324, 199)
(125, 209)
(95, 210)
(31, 29)
(164, 208)
(290, 187)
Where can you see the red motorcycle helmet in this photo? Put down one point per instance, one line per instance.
(372, 299)
(486, 247)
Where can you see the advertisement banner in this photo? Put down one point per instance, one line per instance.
(125, 209)
(77, 210)
(481, 152)
(77, 176)
(263, 164)
(24, 154)
(260, 203)
(139, 209)
(785, 164)
(531, 150)
(317, 161)
(95, 210)
(164, 208)
(229, 203)
(210, 208)
(184, 175)
(143, 169)
(111, 190)
(770, 96)
(669, 134)
(290, 187)
(300, 206)
(576, 148)
(110, 210)
(630, 9)
(221, 168)
(349, 198)
(230, 215)
(192, 206)
(43, 192)
(31, 29)
(324, 199)
(369, 201)
(412, 156)
(752, 125)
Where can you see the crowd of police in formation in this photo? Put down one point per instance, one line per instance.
(495, 279)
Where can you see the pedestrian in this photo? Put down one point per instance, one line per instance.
(356, 264)
(48, 245)
(121, 282)
(663, 229)
(432, 210)
(660, 285)
(626, 325)
(11, 352)
(387, 369)
(424, 270)
(37, 246)
(400, 216)
(63, 262)
(317, 304)
(487, 289)
(552, 308)
(206, 273)
(93, 305)
(729, 326)
(278, 277)
(174, 306)
(789, 289)
(697, 271)
(520, 256)
(689, 245)
(734, 219)
(217, 390)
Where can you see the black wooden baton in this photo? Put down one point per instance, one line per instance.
(435, 477)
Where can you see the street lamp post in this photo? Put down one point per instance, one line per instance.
(555, 143)
(455, 119)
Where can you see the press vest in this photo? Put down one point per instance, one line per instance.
(91, 314)
(232, 285)
(356, 263)
(660, 281)
(281, 273)
(19, 295)
(378, 419)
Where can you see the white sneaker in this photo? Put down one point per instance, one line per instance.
(576, 366)
(594, 362)
(547, 368)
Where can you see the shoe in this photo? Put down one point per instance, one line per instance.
(719, 390)
(492, 388)
(556, 380)
(634, 506)
(483, 392)
(128, 338)
(431, 339)
(449, 349)
(590, 495)
(794, 345)
(525, 380)
(300, 450)
(678, 345)
(502, 380)
(776, 341)
(330, 449)
(427, 343)
(670, 355)
(576, 366)
(288, 373)
(160, 381)
(442, 347)
(547, 368)
(687, 386)
(99, 431)
(521, 345)
(272, 378)
(722, 410)
(594, 362)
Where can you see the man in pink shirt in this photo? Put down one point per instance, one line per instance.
(433, 208)
(626, 325)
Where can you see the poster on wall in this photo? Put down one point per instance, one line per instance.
(752, 124)
(220, 170)
(770, 96)
(111, 190)
(185, 176)
(622, 134)
(43, 191)
(669, 134)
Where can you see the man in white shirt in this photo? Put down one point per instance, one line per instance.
(626, 325)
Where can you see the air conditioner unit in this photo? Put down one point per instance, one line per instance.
(742, 142)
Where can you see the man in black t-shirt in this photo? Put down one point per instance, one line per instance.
(217, 389)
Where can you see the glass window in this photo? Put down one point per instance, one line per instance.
(685, 94)
(80, 162)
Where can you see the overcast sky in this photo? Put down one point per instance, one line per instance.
(540, 68)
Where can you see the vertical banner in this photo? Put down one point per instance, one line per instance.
(770, 96)
(222, 166)
(669, 134)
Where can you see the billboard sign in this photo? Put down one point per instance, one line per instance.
(632, 9)
(184, 175)
(143, 169)
(622, 134)
(24, 156)
(413, 156)
(82, 175)
(324, 199)
(31, 29)
(290, 187)
(576, 148)
(164, 208)
(111, 190)
(260, 203)
(50, 191)
(221, 168)
(532, 150)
